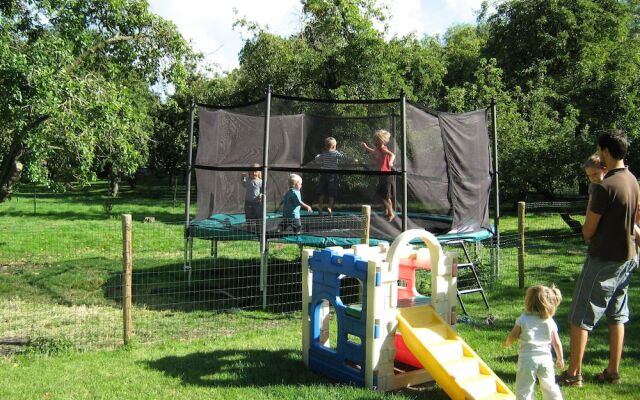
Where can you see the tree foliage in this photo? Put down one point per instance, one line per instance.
(75, 78)
(74, 81)
(576, 65)
(559, 71)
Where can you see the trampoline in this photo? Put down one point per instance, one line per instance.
(442, 177)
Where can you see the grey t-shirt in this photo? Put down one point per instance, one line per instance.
(253, 187)
(615, 200)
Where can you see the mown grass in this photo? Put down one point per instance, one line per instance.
(59, 277)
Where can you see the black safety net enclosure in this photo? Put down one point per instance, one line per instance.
(441, 175)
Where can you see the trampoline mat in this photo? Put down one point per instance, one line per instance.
(343, 228)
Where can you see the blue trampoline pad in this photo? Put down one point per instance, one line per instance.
(340, 230)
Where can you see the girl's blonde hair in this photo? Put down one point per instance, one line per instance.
(542, 300)
(593, 161)
(382, 136)
(330, 143)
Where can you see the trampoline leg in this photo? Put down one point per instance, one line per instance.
(188, 253)
(188, 257)
(185, 263)
(214, 248)
(264, 262)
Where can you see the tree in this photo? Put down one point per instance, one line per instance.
(74, 82)
(463, 45)
(587, 51)
(560, 72)
(571, 68)
(339, 53)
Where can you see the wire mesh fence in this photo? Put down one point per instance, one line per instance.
(548, 243)
(63, 278)
(227, 258)
(54, 282)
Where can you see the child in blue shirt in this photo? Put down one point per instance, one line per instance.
(291, 205)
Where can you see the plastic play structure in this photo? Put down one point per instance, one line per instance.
(391, 337)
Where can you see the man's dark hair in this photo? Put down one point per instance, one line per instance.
(614, 140)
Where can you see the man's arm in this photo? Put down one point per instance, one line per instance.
(590, 225)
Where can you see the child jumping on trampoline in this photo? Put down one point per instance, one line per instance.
(383, 158)
(291, 206)
(328, 187)
(537, 330)
(252, 182)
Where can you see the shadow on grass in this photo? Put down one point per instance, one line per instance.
(215, 285)
(74, 282)
(507, 376)
(56, 206)
(261, 368)
(52, 215)
(237, 368)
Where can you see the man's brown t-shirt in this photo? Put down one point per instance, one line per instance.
(615, 199)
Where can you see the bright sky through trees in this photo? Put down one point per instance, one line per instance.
(209, 23)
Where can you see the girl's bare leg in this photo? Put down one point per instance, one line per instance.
(388, 209)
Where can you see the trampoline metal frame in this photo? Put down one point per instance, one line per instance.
(188, 240)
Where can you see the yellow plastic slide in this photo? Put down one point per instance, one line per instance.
(450, 361)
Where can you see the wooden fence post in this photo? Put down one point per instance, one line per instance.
(127, 266)
(521, 247)
(366, 224)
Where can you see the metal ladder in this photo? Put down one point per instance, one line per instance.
(476, 286)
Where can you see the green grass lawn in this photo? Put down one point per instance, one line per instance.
(59, 278)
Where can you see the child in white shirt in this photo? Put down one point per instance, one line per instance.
(537, 332)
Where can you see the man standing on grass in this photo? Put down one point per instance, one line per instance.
(601, 288)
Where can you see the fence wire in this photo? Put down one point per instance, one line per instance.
(553, 244)
(63, 278)
(55, 282)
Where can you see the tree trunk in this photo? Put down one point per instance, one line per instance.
(114, 185)
(10, 180)
(11, 168)
(574, 225)
(173, 178)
